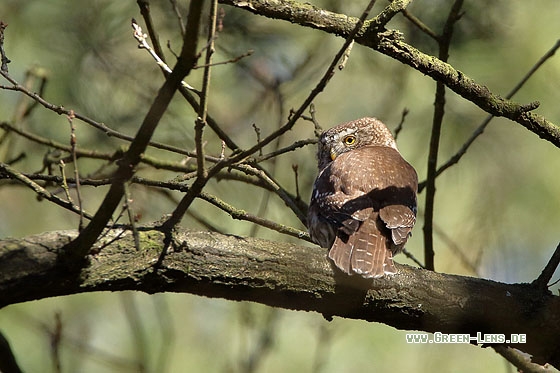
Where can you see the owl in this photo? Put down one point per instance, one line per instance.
(363, 204)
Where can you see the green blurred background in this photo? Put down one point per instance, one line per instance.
(499, 206)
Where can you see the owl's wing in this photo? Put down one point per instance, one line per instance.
(341, 207)
(368, 195)
(399, 219)
(391, 184)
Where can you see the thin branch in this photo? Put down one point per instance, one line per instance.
(143, 44)
(93, 154)
(480, 129)
(520, 361)
(5, 60)
(421, 25)
(56, 145)
(179, 17)
(131, 216)
(290, 148)
(185, 92)
(202, 175)
(399, 128)
(79, 248)
(329, 73)
(269, 181)
(144, 6)
(199, 183)
(390, 43)
(243, 215)
(73, 141)
(200, 122)
(548, 271)
(439, 109)
(409, 255)
(12, 173)
(100, 126)
(65, 187)
(227, 62)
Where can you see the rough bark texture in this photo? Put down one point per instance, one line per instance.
(283, 275)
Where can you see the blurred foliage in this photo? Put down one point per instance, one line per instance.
(498, 206)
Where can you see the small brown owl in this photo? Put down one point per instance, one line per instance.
(363, 204)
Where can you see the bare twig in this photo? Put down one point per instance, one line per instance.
(401, 123)
(421, 25)
(73, 142)
(480, 129)
(546, 274)
(444, 42)
(144, 6)
(62, 165)
(243, 215)
(179, 16)
(388, 13)
(5, 60)
(231, 60)
(258, 133)
(390, 43)
(269, 181)
(12, 173)
(521, 361)
(131, 216)
(202, 174)
(329, 73)
(296, 180)
(203, 110)
(410, 256)
(152, 161)
(143, 44)
(79, 248)
(183, 90)
(345, 56)
(296, 145)
(199, 183)
(100, 126)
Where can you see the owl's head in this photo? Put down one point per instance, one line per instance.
(353, 135)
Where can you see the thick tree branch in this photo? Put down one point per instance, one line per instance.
(283, 275)
(390, 43)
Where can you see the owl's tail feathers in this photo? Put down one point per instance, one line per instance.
(341, 254)
(364, 253)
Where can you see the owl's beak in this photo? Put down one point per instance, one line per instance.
(333, 154)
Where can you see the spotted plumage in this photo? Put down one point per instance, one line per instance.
(363, 204)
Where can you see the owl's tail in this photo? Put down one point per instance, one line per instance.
(365, 252)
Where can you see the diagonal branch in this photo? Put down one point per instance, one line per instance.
(390, 44)
(79, 248)
(199, 183)
(480, 129)
(548, 271)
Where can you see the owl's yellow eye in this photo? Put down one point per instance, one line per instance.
(350, 140)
